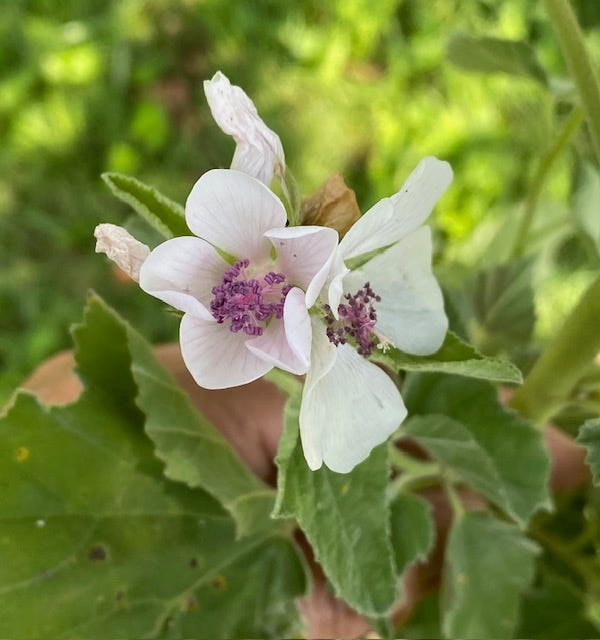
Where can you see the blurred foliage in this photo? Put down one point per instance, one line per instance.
(353, 86)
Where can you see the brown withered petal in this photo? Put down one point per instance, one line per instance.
(332, 205)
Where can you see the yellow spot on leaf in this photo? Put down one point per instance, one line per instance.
(219, 582)
(462, 578)
(22, 454)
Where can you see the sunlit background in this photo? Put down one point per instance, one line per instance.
(363, 87)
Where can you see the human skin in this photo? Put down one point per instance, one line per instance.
(250, 417)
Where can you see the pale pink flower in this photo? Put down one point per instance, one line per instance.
(244, 316)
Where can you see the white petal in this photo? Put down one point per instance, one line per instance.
(352, 408)
(233, 211)
(305, 254)
(259, 151)
(216, 357)
(393, 218)
(335, 282)
(411, 312)
(122, 248)
(287, 344)
(182, 272)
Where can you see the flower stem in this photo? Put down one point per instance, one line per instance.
(582, 71)
(539, 179)
(564, 362)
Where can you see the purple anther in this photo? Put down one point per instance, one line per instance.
(357, 320)
(248, 303)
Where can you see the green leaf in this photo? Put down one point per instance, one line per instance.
(514, 447)
(589, 437)
(454, 356)
(412, 530)
(488, 566)
(344, 516)
(586, 203)
(117, 361)
(96, 543)
(453, 445)
(503, 304)
(554, 610)
(166, 216)
(494, 55)
(424, 620)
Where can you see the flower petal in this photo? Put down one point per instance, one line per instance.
(287, 344)
(393, 218)
(216, 357)
(352, 408)
(232, 211)
(122, 248)
(258, 152)
(182, 272)
(411, 312)
(335, 282)
(305, 254)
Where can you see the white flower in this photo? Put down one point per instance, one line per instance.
(122, 248)
(258, 152)
(349, 405)
(241, 319)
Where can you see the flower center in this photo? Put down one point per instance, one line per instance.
(249, 303)
(357, 320)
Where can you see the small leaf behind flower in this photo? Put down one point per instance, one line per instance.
(493, 55)
(332, 205)
(491, 445)
(165, 215)
(454, 356)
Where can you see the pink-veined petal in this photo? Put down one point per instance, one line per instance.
(393, 218)
(232, 211)
(258, 152)
(354, 407)
(286, 343)
(182, 272)
(216, 357)
(305, 255)
(411, 311)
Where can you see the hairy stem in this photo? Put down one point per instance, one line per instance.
(564, 362)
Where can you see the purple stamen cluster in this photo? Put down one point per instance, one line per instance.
(357, 320)
(248, 302)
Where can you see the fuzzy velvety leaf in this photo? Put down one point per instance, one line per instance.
(114, 359)
(344, 516)
(412, 530)
(95, 543)
(453, 445)
(166, 216)
(488, 566)
(454, 356)
(515, 448)
(493, 55)
(589, 437)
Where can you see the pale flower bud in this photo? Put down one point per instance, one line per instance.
(258, 152)
(122, 248)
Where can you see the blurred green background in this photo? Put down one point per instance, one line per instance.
(362, 87)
